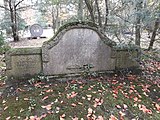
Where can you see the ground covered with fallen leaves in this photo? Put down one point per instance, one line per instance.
(123, 96)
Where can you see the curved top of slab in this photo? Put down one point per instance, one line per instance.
(77, 25)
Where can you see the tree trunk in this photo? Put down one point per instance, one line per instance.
(16, 37)
(99, 14)
(80, 10)
(13, 21)
(13, 26)
(53, 20)
(156, 26)
(106, 15)
(90, 9)
(138, 33)
(138, 24)
(12, 6)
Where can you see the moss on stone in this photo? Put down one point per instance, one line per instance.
(126, 47)
(70, 24)
(25, 51)
(83, 24)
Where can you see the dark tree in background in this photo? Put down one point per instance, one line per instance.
(12, 7)
(138, 23)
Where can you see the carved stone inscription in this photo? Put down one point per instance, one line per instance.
(26, 65)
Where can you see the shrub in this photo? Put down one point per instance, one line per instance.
(1, 40)
(3, 46)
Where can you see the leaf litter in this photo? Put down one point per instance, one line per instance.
(102, 98)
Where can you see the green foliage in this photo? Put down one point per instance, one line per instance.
(6, 23)
(32, 103)
(1, 40)
(86, 71)
(41, 20)
(38, 78)
(74, 86)
(3, 46)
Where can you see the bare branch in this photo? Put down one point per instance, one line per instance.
(4, 7)
(106, 14)
(18, 3)
(24, 7)
(90, 9)
(10, 5)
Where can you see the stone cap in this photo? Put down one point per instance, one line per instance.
(24, 51)
(20, 51)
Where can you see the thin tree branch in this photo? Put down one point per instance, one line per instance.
(106, 14)
(90, 9)
(24, 7)
(4, 7)
(10, 5)
(99, 13)
(18, 3)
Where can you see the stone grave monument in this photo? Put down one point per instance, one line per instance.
(74, 46)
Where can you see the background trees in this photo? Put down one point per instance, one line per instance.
(124, 21)
(12, 9)
(50, 11)
(155, 26)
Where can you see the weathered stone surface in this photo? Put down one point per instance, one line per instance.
(23, 62)
(75, 48)
(36, 30)
(126, 59)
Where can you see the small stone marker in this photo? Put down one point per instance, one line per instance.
(36, 30)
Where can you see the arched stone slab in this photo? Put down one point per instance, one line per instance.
(77, 45)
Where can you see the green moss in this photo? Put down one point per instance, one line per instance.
(24, 51)
(4, 48)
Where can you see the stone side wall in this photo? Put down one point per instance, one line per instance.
(22, 63)
(126, 59)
